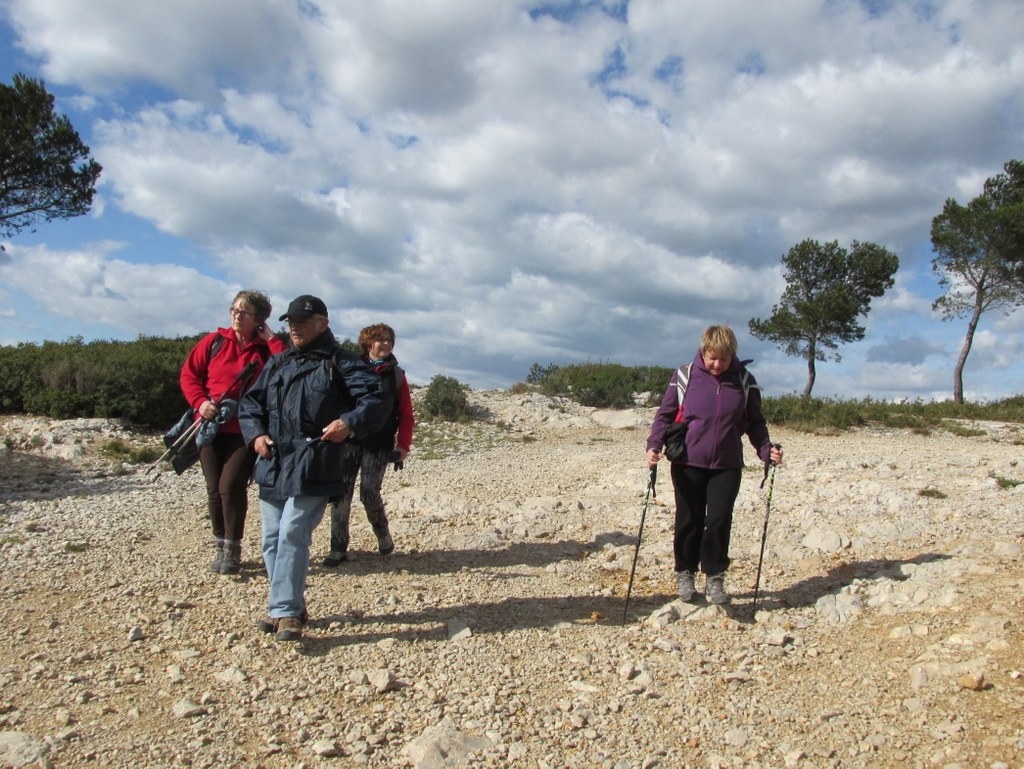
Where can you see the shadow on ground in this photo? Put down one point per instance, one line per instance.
(549, 613)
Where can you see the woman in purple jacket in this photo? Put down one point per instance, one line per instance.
(720, 402)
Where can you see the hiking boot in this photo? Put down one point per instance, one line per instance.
(269, 624)
(218, 556)
(714, 591)
(335, 558)
(232, 560)
(385, 544)
(687, 589)
(289, 629)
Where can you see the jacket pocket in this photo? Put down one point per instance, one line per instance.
(265, 471)
(320, 462)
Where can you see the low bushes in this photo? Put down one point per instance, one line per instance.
(445, 399)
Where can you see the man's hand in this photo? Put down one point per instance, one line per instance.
(263, 446)
(336, 432)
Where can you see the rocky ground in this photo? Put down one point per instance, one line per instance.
(888, 630)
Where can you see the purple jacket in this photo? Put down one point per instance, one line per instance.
(715, 416)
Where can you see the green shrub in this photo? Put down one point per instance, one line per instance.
(603, 385)
(445, 399)
(135, 381)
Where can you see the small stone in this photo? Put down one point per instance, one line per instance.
(793, 758)
(232, 675)
(737, 738)
(973, 681)
(186, 708)
(458, 630)
(135, 634)
(326, 749)
(383, 681)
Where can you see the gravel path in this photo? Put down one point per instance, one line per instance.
(888, 631)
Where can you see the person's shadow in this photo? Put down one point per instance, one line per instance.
(548, 612)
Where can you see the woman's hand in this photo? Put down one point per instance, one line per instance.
(775, 455)
(208, 410)
(653, 457)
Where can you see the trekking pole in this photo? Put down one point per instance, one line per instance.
(175, 447)
(640, 536)
(767, 512)
(194, 428)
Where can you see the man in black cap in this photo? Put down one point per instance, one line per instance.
(307, 402)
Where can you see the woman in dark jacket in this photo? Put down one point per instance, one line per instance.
(211, 374)
(720, 404)
(389, 444)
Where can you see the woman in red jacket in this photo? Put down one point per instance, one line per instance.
(210, 375)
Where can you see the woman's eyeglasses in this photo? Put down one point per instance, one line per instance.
(243, 314)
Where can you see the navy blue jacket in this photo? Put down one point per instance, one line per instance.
(299, 393)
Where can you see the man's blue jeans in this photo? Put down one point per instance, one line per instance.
(288, 526)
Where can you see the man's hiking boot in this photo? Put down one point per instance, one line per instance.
(289, 629)
(684, 581)
(335, 558)
(385, 543)
(714, 591)
(269, 624)
(231, 563)
(218, 556)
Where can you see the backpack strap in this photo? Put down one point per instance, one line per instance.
(682, 382)
(215, 345)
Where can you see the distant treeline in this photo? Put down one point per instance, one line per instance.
(138, 381)
(610, 385)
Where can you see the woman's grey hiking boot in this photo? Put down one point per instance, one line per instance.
(218, 556)
(335, 558)
(684, 581)
(714, 591)
(231, 563)
(385, 544)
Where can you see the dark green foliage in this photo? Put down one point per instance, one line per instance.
(445, 399)
(19, 374)
(828, 288)
(348, 346)
(979, 256)
(604, 385)
(816, 414)
(136, 381)
(45, 169)
(538, 372)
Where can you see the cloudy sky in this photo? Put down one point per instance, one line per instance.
(510, 182)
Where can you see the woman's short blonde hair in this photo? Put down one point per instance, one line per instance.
(719, 339)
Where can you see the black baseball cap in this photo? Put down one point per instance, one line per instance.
(305, 306)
